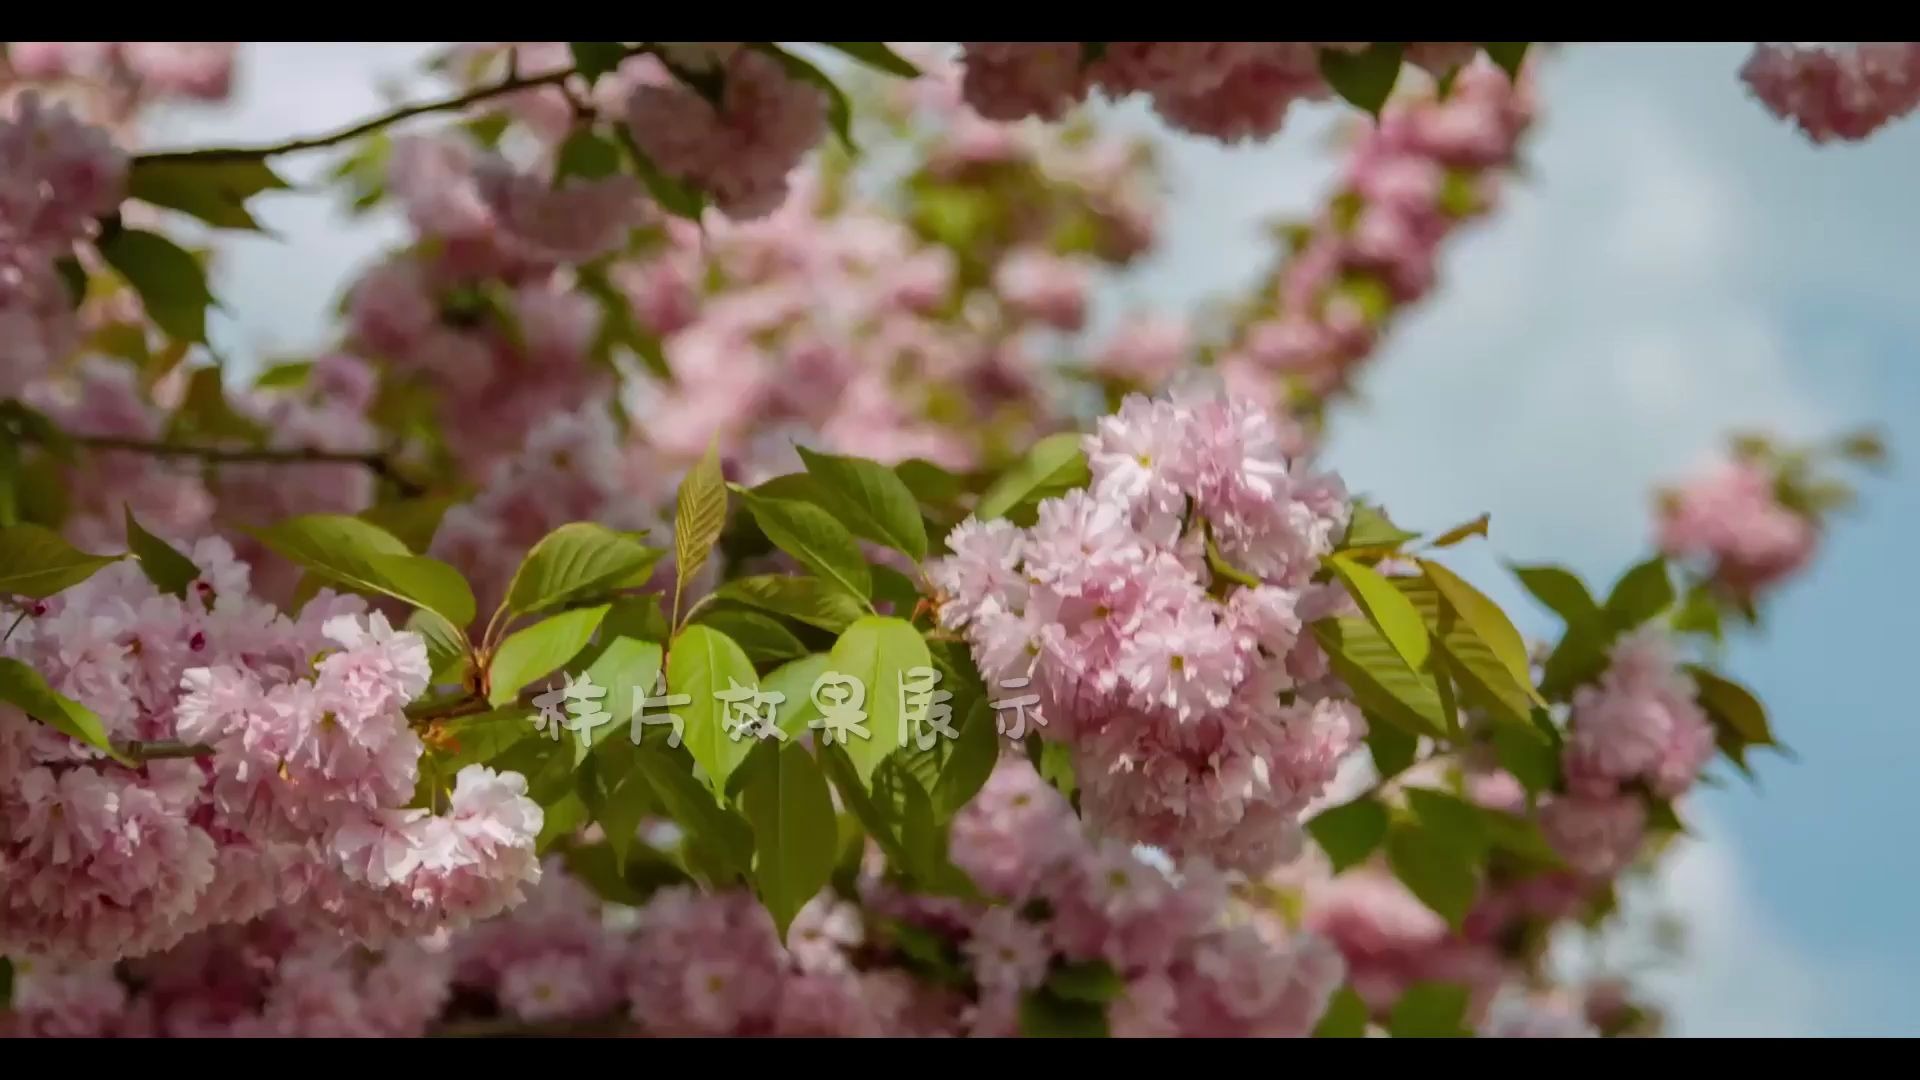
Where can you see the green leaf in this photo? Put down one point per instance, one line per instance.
(215, 190)
(976, 750)
(1528, 755)
(1518, 835)
(700, 513)
(1345, 1018)
(871, 499)
(1452, 820)
(620, 815)
(586, 155)
(1054, 466)
(1350, 832)
(1370, 528)
(411, 521)
(1562, 591)
(763, 639)
(723, 836)
(1091, 981)
(38, 562)
(1386, 607)
(593, 59)
(171, 283)
(1381, 681)
(702, 662)
(1581, 655)
(793, 681)
(881, 822)
(1641, 593)
(576, 561)
(1393, 748)
(1508, 54)
(446, 646)
(205, 412)
(1434, 868)
(876, 652)
(674, 194)
(1476, 527)
(1489, 626)
(1430, 1010)
(812, 536)
(890, 586)
(804, 599)
(1699, 613)
(877, 54)
(24, 688)
(563, 817)
(363, 556)
(795, 834)
(170, 571)
(1046, 1015)
(929, 482)
(629, 667)
(1223, 570)
(1732, 707)
(6, 983)
(1364, 79)
(534, 652)
(74, 277)
(607, 873)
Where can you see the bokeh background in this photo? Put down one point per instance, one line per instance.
(1672, 265)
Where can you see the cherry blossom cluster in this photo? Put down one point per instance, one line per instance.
(1230, 90)
(1844, 92)
(1411, 180)
(297, 797)
(137, 70)
(1730, 520)
(58, 177)
(1200, 714)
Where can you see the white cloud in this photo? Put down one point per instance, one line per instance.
(1738, 973)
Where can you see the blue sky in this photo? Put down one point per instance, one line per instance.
(1675, 264)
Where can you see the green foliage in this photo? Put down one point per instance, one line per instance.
(1364, 79)
(38, 562)
(25, 689)
(170, 281)
(1381, 681)
(206, 414)
(616, 879)
(1476, 527)
(1350, 832)
(170, 571)
(447, 651)
(763, 639)
(877, 651)
(412, 521)
(872, 500)
(6, 983)
(1562, 592)
(1430, 1010)
(593, 59)
(1437, 867)
(1091, 981)
(881, 822)
(1641, 593)
(577, 561)
(876, 54)
(586, 155)
(213, 189)
(839, 110)
(1508, 54)
(794, 830)
(720, 840)
(362, 556)
(1386, 607)
(620, 814)
(1529, 756)
(1369, 527)
(812, 536)
(1393, 748)
(1739, 720)
(976, 749)
(627, 663)
(701, 662)
(890, 586)
(794, 682)
(803, 599)
(1054, 466)
(533, 652)
(1045, 1014)
(1345, 1018)
(700, 513)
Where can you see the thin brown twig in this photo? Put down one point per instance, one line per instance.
(376, 463)
(508, 85)
(161, 749)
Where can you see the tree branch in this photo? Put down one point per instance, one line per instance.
(164, 748)
(377, 463)
(512, 83)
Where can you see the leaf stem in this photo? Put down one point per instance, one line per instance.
(377, 463)
(512, 83)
